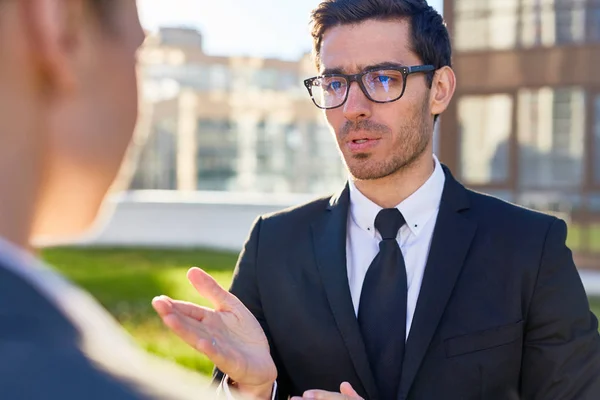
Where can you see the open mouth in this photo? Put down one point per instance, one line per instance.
(361, 145)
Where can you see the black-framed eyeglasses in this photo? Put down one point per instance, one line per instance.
(382, 85)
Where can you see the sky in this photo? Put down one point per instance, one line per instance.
(265, 28)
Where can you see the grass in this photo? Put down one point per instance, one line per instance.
(576, 240)
(595, 306)
(126, 280)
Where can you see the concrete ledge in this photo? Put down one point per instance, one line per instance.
(217, 220)
(591, 282)
(178, 219)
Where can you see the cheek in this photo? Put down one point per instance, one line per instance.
(335, 120)
(122, 104)
(127, 91)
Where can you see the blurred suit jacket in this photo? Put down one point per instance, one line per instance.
(56, 342)
(501, 314)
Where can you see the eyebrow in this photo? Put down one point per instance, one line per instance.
(387, 64)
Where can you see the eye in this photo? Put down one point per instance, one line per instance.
(335, 85)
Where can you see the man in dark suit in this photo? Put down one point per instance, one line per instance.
(405, 285)
(67, 112)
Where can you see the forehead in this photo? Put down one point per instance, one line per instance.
(352, 47)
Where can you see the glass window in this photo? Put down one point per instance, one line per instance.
(486, 24)
(157, 166)
(594, 202)
(570, 21)
(485, 128)
(505, 24)
(471, 24)
(220, 77)
(551, 124)
(216, 154)
(538, 23)
(188, 75)
(289, 80)
(593, 21)
(266, 79)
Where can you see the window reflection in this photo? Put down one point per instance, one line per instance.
(485, 126)
(506, 24)
(551, 124)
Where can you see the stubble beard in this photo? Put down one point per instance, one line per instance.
(409, 146)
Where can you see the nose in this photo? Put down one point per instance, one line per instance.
(357, 106)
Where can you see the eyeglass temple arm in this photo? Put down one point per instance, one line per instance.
(421, 68)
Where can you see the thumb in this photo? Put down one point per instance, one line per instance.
(347, 389)
(210, 289)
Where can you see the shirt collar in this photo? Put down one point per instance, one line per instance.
(16, 258)
(417, 209)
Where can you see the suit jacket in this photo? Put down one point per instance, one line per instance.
(76, 352)
(502, 313)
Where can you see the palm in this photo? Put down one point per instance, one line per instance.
(243, 343)
(229, 335)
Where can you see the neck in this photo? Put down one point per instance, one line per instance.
(389, 191)
(18, 193)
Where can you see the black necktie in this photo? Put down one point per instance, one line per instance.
(382, 307)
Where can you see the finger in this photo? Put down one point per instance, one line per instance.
(322, 395)
(192, 310)
(211, 290)
(162, 305)
(165, 305)
(347, 389)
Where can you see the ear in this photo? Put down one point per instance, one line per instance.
(54, 31)
(442, 90)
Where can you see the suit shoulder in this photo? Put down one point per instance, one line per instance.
(496, 208)
(297, 213)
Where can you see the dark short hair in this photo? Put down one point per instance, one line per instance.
(430, 40)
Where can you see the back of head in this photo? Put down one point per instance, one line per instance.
(68, 109)
(430, 38)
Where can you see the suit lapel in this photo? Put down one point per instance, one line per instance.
(329, 241)
(450, 244)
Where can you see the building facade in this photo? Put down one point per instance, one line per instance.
(229, 123)
(525, 121)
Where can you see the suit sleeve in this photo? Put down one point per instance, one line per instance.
(561, 358)
(245, 286)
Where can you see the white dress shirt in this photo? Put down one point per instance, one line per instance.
(420, 211)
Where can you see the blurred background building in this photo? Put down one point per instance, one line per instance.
(524, 124)
(228, 132)
(525, 121)
(241, 124)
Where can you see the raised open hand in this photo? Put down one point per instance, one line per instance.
(228, 335)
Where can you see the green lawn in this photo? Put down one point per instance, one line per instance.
(126, 280)
(576, 242)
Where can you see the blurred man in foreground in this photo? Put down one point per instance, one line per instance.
(68, 107)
